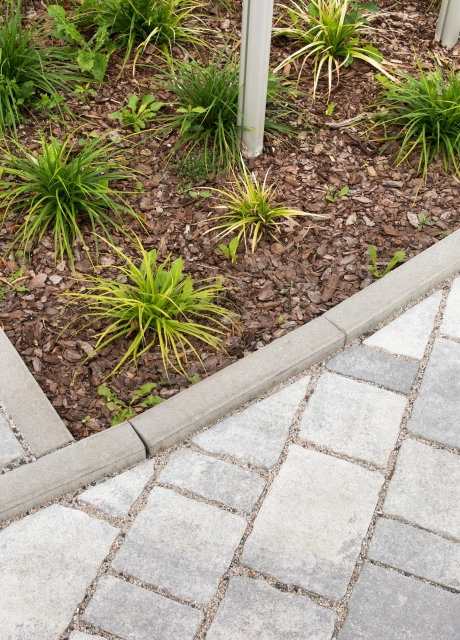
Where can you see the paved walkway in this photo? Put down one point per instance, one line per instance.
(330, 509)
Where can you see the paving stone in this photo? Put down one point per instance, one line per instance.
(10, 448)
(133, 613)
(117, 495)
(181, 545)
(213, 479)
(369, 365)
(252, 610)
(311, 525)
(257, 435)
(385, 605)
(79, 635)
(408, 335)
(451, 320)
(353, 418)
(47, 562)
(425, 488)
(416, 551)
(436, 411)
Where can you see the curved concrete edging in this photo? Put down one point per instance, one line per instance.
(211, 399)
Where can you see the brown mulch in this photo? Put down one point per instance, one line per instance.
(309, 268)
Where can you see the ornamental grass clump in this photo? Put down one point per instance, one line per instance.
(250, 210)
(330, 32)
(423, 115)
(29, 67)
(61, 189)
(153, 302)
(138, 23)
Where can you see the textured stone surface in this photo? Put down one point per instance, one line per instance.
(388, 606)
(133, 613)
(257, 434)
(10, 448)
(116, 495)
(416, 551)
(408, 335)
(353, 418)
(253, 610)
(312, 522)
(425, 488)
(213, 479)
(47, 562)
(181, 545)
(369, 365)
(451, 320)
(436, 412)
(79, 635)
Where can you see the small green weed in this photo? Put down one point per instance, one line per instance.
(142, 398)
(423, 220)
(332, 195)
(157, 304)
(373, 268)
(230, 250)
(330, 109)
(138, 116)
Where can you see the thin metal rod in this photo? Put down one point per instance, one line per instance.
(254, 64)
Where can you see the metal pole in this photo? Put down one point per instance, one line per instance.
(254, 63)
(448, 27)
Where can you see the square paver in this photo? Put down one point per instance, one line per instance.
(47, 562)
(311, 525)
(385, 605)
(408, 335)
(257, 434)
(133, 613)
(451, 321)
(213, 479)
(436, 412)
(353, 418)
(117, 495)
(10, 447)
(181, 545)
(416, 551)
(425, 488)
(253, 610)
(370, 365)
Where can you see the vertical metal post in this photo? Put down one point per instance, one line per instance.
(254, 63)
(448, 27)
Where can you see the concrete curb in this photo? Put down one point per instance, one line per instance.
(32, 412)
(69, 469)
(211, 399)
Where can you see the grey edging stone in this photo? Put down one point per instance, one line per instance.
(230, 388)
(367, 308)
(69, 469)
(32, 412)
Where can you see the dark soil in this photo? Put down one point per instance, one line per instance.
(285, 283)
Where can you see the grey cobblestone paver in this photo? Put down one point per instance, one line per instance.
(451, 320)
(47, 562)
(10, 448)
(351, 525)
(311, 525)
(133, 613)
(408, 335)
(257, 434)
(353, 418)
(369, 365)
(425, 488)
(116, 495)
(253, 610)
(416, 551)
(388, 606)
(213, 479)
(180, 545)
(436, 413)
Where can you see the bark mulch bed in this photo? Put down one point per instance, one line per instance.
(285, 283)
